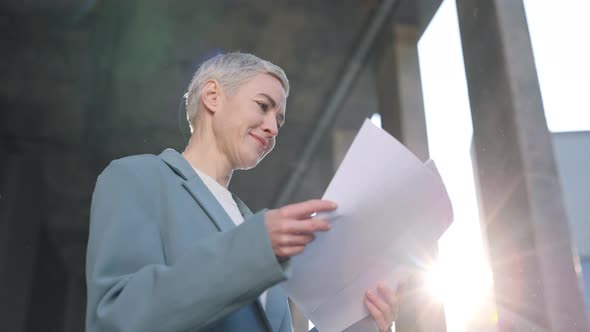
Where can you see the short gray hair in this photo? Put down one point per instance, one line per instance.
(230, 70)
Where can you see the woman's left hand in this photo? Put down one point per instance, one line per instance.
(382, 304)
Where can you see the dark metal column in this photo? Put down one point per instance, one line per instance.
(536, 284)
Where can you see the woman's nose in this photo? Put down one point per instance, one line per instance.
(270, 125)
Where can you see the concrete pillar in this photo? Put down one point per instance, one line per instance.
(45, 311)
(402, 114)
(399, 90)
(75, 304)
(20, 224)
(536, 285)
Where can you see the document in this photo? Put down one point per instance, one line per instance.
(392, 208)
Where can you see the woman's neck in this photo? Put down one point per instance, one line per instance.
(204, 156)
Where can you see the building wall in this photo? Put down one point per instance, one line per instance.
(572, 154)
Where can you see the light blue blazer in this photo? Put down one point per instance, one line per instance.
(164, 256)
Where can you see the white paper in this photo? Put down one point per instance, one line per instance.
(392, 208)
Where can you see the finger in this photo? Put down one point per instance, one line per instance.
(307, 226)
(296, 240)
(388, 295)
(289, 251)
(386, 310)
(307, 208)
(377, 315)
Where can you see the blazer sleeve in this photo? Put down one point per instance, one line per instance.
(130, 286)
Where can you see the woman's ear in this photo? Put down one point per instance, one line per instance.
(211, 95)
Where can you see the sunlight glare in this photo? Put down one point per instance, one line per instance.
(461, 278)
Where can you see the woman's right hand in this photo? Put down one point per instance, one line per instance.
(292, 227)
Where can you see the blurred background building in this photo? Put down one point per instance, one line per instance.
(470, 83)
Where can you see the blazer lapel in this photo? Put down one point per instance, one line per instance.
(276, 304)
(273, 312)
(198, 190)
(242, 207)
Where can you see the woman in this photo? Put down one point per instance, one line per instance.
(171, 249)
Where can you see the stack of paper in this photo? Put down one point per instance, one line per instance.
(391, 209)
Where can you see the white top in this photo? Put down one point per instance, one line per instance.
(225, 198)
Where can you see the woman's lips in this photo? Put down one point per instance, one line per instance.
(260, 139)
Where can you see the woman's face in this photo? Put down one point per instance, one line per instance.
(247, 122)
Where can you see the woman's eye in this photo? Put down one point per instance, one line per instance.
(262, 106)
